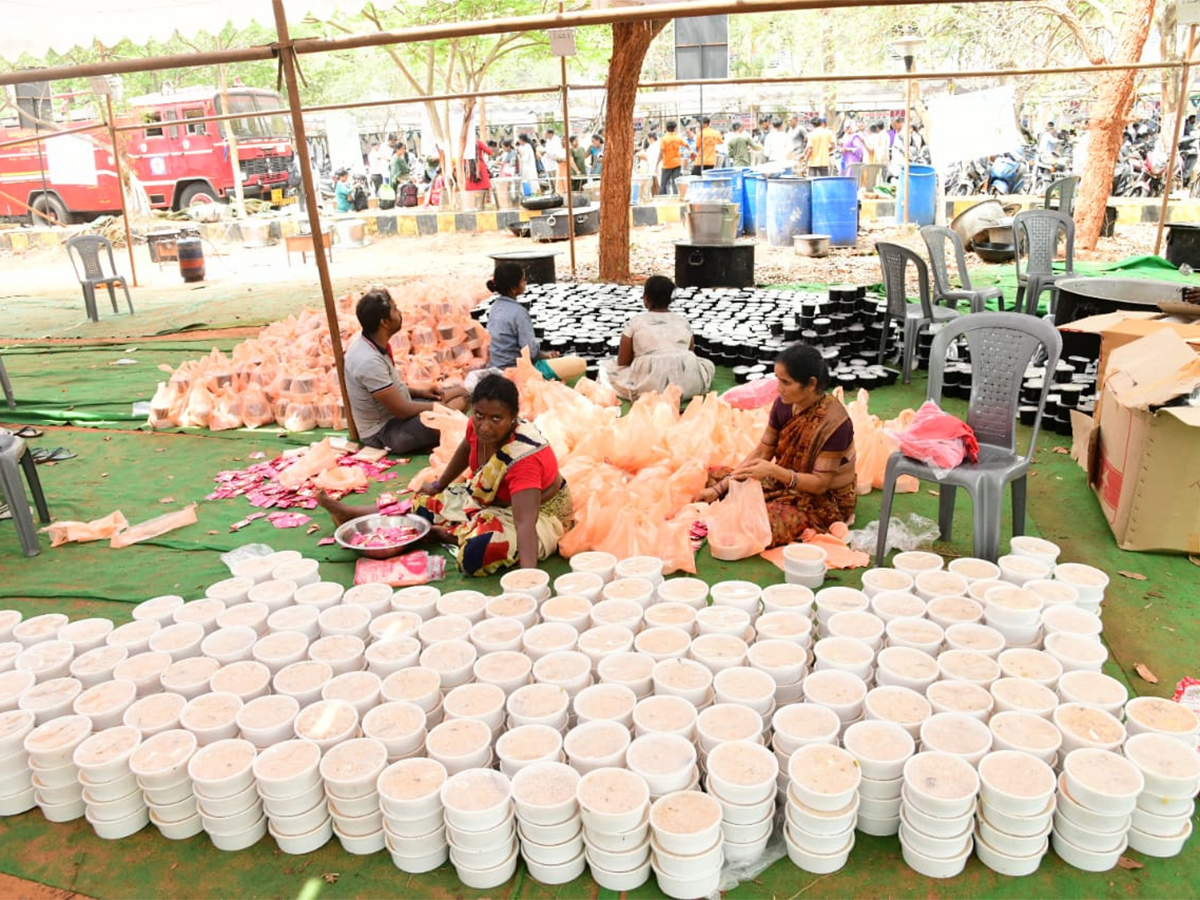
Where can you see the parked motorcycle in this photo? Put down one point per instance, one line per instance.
(1008, 174)
(968, 178)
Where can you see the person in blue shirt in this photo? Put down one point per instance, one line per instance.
(511, 329)
(343, 191)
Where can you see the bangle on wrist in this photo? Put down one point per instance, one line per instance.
(792, 483)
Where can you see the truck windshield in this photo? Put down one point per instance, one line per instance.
(267, 125)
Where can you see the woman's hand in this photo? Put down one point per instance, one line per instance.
(708, 495)
(552, 354)
(429, 488)
(758, 469)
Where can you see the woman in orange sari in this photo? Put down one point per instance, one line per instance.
(805, 459)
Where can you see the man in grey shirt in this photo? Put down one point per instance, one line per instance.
(384, 409)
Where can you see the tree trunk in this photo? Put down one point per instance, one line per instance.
(1108, 122)
(631, 40)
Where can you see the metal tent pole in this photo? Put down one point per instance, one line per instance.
(287, 59)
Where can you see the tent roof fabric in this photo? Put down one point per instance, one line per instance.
(78, 23)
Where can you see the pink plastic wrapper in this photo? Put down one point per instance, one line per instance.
(938, 439)
(752, 394)
(401, 571)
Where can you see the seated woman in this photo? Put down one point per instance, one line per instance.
(511, 329)
(513, 509)
(657, 350)
(805, 459)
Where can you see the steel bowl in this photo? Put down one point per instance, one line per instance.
(367, 524)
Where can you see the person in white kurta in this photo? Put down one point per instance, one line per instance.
(657, 350)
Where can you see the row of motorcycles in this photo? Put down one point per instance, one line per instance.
(1140, 169)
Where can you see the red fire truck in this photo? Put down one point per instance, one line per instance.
(178, 161)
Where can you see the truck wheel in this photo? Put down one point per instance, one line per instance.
(47, 206)
(196, 193)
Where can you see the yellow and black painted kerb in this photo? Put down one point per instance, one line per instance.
(422, 223)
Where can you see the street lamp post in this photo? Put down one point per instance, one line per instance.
(906, 48)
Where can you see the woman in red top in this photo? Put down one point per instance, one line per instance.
(513, 509)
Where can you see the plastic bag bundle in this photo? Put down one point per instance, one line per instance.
(753, 394)
(738, 526)
(910, 532)
(874, 444)
(938, 439)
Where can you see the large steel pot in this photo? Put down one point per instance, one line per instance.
(712, 223)
(974, 220)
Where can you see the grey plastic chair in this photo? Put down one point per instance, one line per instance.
(894, 260)
(7, 385)
(1001, 346)
(88, 247)
(1064, 191)
(15, 456)
(935, 240)
(1035, 238)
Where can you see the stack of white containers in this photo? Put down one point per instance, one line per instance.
(1162, 820)
(480, 827)
(351, 771)
(16, 782)
(822, 807)
(937, 813)
(804, 564)
(116, 807)
(1097, 792)
(288, 779)
(1016, 806)
(615, 808)
(51, 748)
(548, 821)
(160, 766)
(743, 777)
(222, 775)
(881, 749)
(413, 818)
(685, 841)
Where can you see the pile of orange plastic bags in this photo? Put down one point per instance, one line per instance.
(286, 375)
(632, 477)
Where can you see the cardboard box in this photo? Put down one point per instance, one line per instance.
(1144, 460)
(1116, 329)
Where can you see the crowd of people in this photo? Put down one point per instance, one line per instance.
(809, 146)
(501, 498)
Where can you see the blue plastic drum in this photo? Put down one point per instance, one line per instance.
(754, 205)
(788, 209)
(922, 203)
(835, 210)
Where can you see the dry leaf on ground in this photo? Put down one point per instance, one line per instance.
(1063, 450)
(1126, 863)
(1136, 576)
(1145, 674)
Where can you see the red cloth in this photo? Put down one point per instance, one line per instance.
(938, 438)
(537, 471)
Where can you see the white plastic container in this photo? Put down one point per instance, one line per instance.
(86, 634)
(527, 581)
(1160, 716)
(612, 702)
(538, 704)
(1013, 784)
(906, 667)
(724, 722)
(189, 677)
(947, 611)
(1087, 726)
(899, 705)
(460, 744)
(785, 661)
(268, 720)
(320, 595)
(742, 772)
(940, 784)
(1014, 694)
(327, 723)
(596, 745)
(880, 748)
(665, 714)
(106, 703)
(802, 724)
(1169, 768)
(452, 660)
(667, 763)
(499, 635)
(223, 769)
(632, 670)
(973, 569)
(886, 580)
(888, 605)
(392, 655)
(351, 769)
(484, 702)
(89, 668)
(634, 590)
(956, 734)
(968, 665)
(686, 823)
(845, 655)
(612, 801)
(360, 689)
(1076, 652)
(1027, 733)
(594, 644)
(507, 669)
(839, 691)
(1089, 581)
(161, 761)
(36, 629)
(302, 680)
(747, 687)
(528, 745)
(960, 696)
(476, 800)
(50, 699)
(1102, 781)
(914, 562)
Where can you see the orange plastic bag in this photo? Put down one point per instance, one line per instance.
(341, 478)
(316, 459)
(738, 526)
(82, 532)
(155, 527)
(256, 408)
